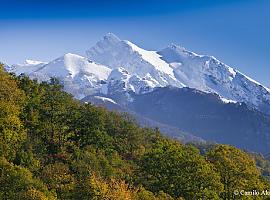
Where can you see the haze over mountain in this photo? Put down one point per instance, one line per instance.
(122, 72)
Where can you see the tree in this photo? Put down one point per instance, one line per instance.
(18, 183)
(30, 114)
(92, 160)
(179, 171)
(237, 170)
(95, 188)
(143, 194)
(12, 133)
(54, 112)
(88, 127)
(129, 139)
(59, 178)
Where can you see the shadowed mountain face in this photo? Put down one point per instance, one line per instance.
(206, 116)
(178, 111)
(169, 130)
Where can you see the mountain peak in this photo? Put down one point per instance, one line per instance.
(172, 66)
(29, 62)
(71, 55)
(179, 50)
(175, 46)
(33, 62)
(112, 38)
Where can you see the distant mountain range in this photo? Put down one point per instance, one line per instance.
(189, 96)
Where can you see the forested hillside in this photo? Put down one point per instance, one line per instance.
(54, 147)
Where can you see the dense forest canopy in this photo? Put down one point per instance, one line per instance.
(55, 147)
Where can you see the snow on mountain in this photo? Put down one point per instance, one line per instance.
(80, 76)
(153, 58)
(6, 66)
(27, 67)
(207, 74)
(176, 66)
(126, 68)
(207, 116)
(224, 100)
(115, 53)
(74, 65)
(105, 99)
(120, 80)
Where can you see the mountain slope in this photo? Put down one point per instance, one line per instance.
(207, 116)
(135, 70)
(169, 130)
(207, 74)
(27, 67)
(115, 53)
(80, 76)
(175, 66)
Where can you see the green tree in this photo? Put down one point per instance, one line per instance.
(30, 113)
(143, 194)
(179, 171)
(129, 139)
(59, 178)
(54, 112)
(88, 127)
(237, 170)
(12, 133)
(91, 160)
(18, 183)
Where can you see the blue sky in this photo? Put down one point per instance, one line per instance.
(235, 31)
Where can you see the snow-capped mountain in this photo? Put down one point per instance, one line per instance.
(208, 74)
(79, 75)
(176, 66)
(147, 65)
(173, 89)
(127, 69)
(120, 80)
(27, 67)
